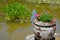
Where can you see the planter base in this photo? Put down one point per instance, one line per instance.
(32, 37)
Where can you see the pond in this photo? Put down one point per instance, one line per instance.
(18, 31)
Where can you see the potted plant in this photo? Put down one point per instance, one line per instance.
(44, 27)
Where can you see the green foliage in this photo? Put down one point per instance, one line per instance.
(16, 11)
(45, 17)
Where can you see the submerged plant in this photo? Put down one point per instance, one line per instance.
(16, 11)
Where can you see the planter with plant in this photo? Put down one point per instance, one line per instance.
(44, 26)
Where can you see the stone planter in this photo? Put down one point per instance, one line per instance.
(44, 30)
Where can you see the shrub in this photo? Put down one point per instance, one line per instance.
(16, 11)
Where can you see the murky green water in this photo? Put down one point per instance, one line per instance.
(18, 31)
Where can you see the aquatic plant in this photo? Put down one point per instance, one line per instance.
(45, 17)
(16, 11)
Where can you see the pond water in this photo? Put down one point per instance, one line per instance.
(18, 31)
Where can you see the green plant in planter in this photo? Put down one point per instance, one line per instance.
(45, 17)
(16, 11)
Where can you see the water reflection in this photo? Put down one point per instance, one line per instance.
(4, 35)
(4, 27)
(14, 31)
(0, 25)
